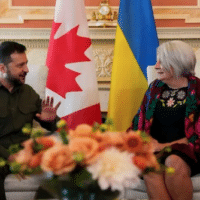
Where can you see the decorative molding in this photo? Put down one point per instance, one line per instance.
(28, 7)
(102, 33)
(44, 33)
(24, 34)
(95, 33)
(31, 43)
(103, 43)
(176, 7)
(103, 60)
(189, 14)
(179, 33)
(17, 14)
(103, 40)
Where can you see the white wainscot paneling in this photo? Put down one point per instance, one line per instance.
(103, 39)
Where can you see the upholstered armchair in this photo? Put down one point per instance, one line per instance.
(26, 189)
(140, 191)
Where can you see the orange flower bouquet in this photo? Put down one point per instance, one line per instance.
(89, 157)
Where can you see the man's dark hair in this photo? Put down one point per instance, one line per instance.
(7, 48)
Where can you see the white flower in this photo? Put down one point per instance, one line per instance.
(165, 94)
(113, 168)
(181, 95)
(170, 102)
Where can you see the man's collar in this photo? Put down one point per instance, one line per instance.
(15, 88)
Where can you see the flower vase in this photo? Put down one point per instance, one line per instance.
(91, 192)
(67, 189)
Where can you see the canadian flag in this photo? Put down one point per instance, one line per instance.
(72, 76)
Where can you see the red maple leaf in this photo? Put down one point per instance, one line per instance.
(69, 48)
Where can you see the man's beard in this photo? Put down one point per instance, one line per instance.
(14, 81)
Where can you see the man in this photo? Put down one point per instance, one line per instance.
(19, 103)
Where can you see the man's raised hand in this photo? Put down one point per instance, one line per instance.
(48, 112)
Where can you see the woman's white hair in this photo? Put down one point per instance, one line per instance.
(178, 55)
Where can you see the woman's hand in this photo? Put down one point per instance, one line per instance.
(48, 112)
(159, 146)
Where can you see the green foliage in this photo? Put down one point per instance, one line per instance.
(61, 124)
(2, 162)
(27, 129)
(109, 122)
(145, 137)
(36, 146)
(28, 171)
(63, 130)
(15, 167)
(95, 127)
(149, 169)
(78, 157)
(82, 178)
(63, 136)
(103, 128)
(14, 148)
(167, 149)
(37, 133)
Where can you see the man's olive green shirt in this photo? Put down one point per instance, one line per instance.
(18, 108)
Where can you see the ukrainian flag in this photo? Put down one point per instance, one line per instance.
(135, 50)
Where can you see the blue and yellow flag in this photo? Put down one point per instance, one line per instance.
(135, 50)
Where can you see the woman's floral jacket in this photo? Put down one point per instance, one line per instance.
(144, 118)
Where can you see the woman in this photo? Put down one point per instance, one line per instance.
(169, 113)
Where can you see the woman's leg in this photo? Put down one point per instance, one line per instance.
(179, 184)
(156, 188)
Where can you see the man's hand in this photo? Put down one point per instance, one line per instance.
(48, 112)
